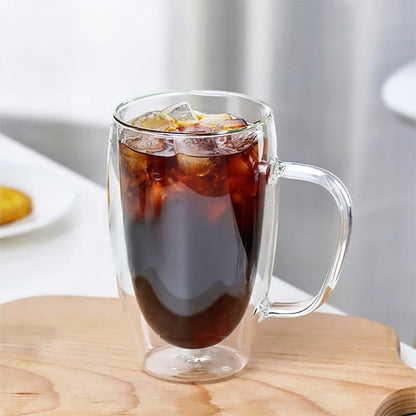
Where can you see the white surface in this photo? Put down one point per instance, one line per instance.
(72, 256)
(51, 195)
(399, 91)
(69, 256)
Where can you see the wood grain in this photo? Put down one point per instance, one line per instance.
(74, 356)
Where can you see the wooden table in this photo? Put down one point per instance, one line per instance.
(74, 356)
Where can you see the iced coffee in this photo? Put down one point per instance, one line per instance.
(192, 199)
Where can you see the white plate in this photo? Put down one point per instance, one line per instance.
(52, 195)
(399, 91)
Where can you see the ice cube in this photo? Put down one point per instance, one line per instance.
(145, 144)
(212, 120)
(196, 146)
(194, 128)
(156, 120)
(230, 124)
(234, 143)
(181, 112)
(204, 175)
(200, 166)
(134, 163)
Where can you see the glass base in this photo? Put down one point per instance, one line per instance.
(189, 366)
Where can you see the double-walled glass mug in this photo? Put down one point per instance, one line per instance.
(193, 215)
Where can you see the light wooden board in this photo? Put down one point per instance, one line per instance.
(73, 356)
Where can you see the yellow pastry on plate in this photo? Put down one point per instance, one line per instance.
(14, 205)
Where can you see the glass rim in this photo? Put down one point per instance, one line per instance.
(218, 93)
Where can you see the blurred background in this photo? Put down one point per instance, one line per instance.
(340, 75)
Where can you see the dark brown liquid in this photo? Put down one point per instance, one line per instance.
(192, 227)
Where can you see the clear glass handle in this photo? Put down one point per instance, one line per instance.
(342, 198)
